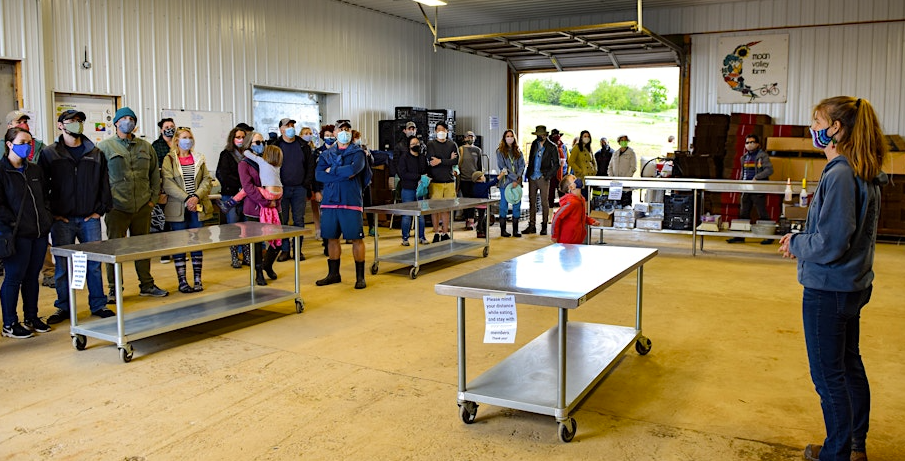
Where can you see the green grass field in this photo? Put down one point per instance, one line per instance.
(648, 132)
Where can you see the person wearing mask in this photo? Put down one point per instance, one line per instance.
(469, 162)
(79, 194)
(255, 204)
(328, 138)
(442, 156)
(756, 166)
(25, 221)
(402, 147)
(134, 185)
(411, 167)
(339, 168)
(366, 190)
(571, 221)
(511, 161)
(161, 146)
(230, 185)
(19, 119)
(623, 165)
(562, 153)
(603, 156)
(582, 160)
(543, 162)
(835, 255)
(187, 183)
(297, 174)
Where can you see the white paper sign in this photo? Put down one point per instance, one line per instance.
(501, 319)
(615, 191)
(79, 270)
(494, 122)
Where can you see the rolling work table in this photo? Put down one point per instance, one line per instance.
(126, 327)
(418, 255)
(553, 373)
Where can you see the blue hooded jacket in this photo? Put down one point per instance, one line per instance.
(343, 184)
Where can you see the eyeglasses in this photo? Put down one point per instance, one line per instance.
(257, 143)
(183, 128)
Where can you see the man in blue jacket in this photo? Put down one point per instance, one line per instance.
(341, 169)
(76, 175)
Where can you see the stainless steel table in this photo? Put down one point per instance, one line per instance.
(143, 323)
(553, 373)
(418, 255)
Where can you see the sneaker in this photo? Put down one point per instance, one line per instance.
(812, 452)
(436, 238)
(111, 297)
(317, 234)
(103, 313)
(154, 291)
(48, 282)
(165, 259)
(423, 242)
(36, 324)
(59, 316)
(17, 331)
(370, 232)
(405, 242)
(530, 229)
(736, 240)
(444, 237)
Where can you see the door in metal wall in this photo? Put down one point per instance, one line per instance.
(8, 101)
(270, 105)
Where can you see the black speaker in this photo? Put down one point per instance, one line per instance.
(387, 134)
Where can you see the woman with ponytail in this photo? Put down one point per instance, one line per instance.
(835, 256)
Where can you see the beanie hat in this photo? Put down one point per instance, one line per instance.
(122, 112)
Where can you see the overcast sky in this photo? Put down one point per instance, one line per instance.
(586, 80)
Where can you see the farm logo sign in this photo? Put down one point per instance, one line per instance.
(754, 69)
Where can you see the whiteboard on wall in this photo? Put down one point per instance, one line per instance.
(210, 130)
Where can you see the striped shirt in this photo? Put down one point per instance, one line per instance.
(188, 174)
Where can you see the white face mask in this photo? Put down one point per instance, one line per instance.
(510, 140)
(585, 140)
(441, 135)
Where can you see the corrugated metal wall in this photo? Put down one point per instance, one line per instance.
(207, 54)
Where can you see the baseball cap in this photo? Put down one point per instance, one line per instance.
(71, 114)
(410, 125)
(15, 116)
(286, 121)
(469, 133)
(476, 176)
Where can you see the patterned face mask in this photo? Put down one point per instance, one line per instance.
(821, 139)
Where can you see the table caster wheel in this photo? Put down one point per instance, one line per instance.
(374, 268)
(125, 353)
(468, 411)
(79, 342)
(299, 306)
(565, 434)
(486, 251)
(413, 273)
(643, 345)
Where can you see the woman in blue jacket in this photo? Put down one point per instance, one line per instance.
(835, 265)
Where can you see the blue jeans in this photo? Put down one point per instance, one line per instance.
(293, 201)
(408, 195)
(831, 331)
(190, 221)
(66, 233)
(234, 214)
(22, 271)
(504, 209)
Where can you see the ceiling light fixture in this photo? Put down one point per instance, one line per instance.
(431, 2)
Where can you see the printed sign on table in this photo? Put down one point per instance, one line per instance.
(501, 319)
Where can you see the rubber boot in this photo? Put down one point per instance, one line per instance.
(259, 271)
(234, 257)
(360, 275)
(332, 274)
(543, 229)
(270, 255)
(179, 265)
(196, 271)
(503, 232)
(246, 251)
(515, 232)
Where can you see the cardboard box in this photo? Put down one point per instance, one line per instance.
(624, 225)
(605, 217)
(750, 119)
(791, 144)
(649, 223)
(743, 225)
(795, 213)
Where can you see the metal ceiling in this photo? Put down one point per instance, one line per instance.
(605, 46)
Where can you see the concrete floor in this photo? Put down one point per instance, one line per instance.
(371, 374)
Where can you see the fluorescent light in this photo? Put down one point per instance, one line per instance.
(431, 2)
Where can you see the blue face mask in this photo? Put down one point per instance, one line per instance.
(22, 150)
(126, 125)
(257, 148)
(344, 137)
(186, 143)
(329, 140)
(820, 138)
(578, 183)
(290, 132)
(306, 138)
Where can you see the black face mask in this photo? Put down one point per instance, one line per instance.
(416, 148)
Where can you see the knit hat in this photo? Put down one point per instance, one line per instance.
(122, 112)
(476, 176)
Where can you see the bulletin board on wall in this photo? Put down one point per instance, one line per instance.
(209, 129)
(98, 109)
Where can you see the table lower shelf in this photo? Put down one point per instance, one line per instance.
(156, 320)
(528, 379)
(432, 252)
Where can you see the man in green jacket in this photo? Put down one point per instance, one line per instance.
(134, 184)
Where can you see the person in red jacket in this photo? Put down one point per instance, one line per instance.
(571, 220)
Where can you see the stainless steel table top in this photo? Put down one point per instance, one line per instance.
(166, 243)
(563, 276)
(425, 207)
(707, 185)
